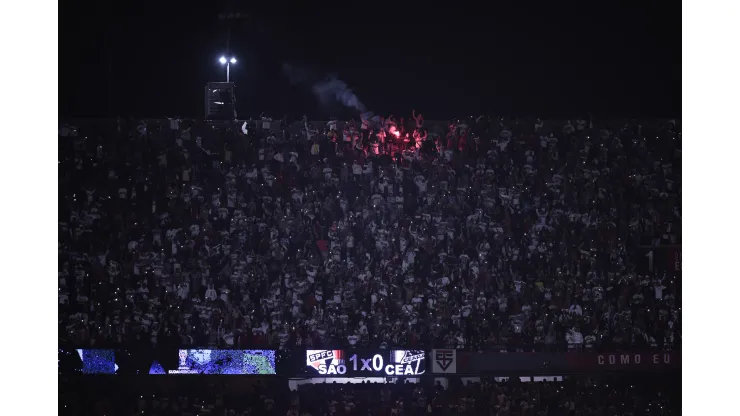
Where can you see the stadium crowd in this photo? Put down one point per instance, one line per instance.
(602, 396)
(481, 233)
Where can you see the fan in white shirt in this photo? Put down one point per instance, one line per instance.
(225, 295)
(211, 293)
(356, 169)
(266, 122)
(183, 291)
(659, 290)
(576, 309)
(421, 183)
(574, 338)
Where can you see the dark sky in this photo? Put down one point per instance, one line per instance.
(153, 59)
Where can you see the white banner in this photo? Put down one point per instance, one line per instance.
(444, 361)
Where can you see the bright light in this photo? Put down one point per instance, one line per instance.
(233, 60)
(222, 60)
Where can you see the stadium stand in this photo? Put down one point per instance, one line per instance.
(478, 234)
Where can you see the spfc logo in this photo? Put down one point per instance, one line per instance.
(444, 361)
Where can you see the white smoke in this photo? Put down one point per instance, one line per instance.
(332, 89)
(328, 90)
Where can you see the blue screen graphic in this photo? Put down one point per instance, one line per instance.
(98, 361)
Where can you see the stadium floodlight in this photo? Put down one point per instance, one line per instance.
(227, 62)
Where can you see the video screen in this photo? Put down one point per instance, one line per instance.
(97, 361)
(205, 361)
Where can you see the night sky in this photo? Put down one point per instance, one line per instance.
(607, 58)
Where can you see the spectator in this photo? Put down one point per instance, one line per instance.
(480, 233)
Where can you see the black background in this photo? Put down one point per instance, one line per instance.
(551, 60)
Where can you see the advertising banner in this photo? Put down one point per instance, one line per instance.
(503, 363)
(648, 361)
(358, 363)
(364, 363)
(444, 361)
(559, 363)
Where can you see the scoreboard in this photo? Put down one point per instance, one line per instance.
(367, 363)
